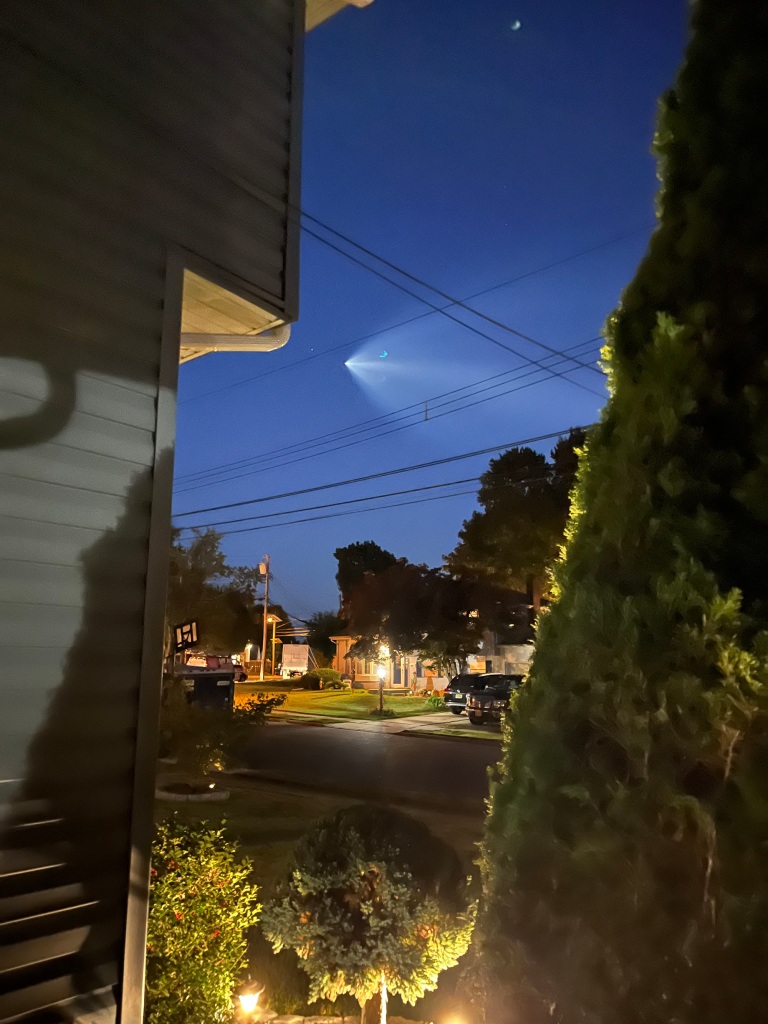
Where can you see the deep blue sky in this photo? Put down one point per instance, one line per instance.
(468, 154)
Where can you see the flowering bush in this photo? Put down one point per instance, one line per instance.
(201, 904)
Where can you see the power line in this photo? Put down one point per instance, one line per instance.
(462, 304)
(463, 323)
(378, 436)
(350, 512)
(333, 504)
(547, 474)
(385, 473)
(385, 419)
(422, 316)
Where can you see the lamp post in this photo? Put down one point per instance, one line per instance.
(381, 672)
(274, 619)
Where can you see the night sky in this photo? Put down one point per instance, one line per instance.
(471, 143)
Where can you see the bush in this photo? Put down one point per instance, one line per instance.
(201, 739)
(258, 707)
(331, 679)
(201, 904)
(309, 681)
(435, 702)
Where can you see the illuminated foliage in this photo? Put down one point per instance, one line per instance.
(375, 903)
(627, 845)
(201, 904)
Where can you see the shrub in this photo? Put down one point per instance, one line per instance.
(309, 681)
(201, 904)
(331, 679)
(201, 739)
(374, 903)
(434, 701)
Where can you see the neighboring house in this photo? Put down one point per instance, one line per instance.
(400, 670)
(150, 188)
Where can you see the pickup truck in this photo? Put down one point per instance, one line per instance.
(489, 699)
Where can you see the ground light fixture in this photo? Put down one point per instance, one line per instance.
(249, 999)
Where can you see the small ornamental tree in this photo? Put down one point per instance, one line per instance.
(626, 851)
(375, 904)
(201, 903)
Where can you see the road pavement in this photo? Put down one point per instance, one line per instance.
(376, 763)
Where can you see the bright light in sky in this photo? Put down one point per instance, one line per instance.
(391, 380)
(516, 25)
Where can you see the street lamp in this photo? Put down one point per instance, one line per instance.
(381, 673)
(274, 619)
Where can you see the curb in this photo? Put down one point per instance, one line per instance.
(427, 735)
(212, 796)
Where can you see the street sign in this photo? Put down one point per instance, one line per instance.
(185, 636)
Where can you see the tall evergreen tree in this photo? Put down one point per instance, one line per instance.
(626, 852)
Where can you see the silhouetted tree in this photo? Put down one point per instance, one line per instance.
(355, 560)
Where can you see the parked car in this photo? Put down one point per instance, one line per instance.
(489, 698)
(456, 693)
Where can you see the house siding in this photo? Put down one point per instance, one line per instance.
(135, 139)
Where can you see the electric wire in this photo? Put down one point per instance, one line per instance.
(422, 316)
(332, 504)
(383, 473)
(350, 512)
(470, 327)
(234, 468)
(461, 303)
(381, 434)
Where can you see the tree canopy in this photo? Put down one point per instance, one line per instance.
(412, 609)
(516, 537)
(321, 627)
(355, 560)
(220, 597)
(374, 903)
(625, 855)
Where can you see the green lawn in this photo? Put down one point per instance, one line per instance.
(353, 703)
(339, 704)
(267, 819)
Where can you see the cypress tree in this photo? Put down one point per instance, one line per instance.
(626, 849)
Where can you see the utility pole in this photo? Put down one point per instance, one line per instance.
(264, 568)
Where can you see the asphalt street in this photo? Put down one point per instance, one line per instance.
(376, 763)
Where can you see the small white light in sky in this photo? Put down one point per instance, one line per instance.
(516, 25)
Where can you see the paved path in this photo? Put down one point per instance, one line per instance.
(375, 761)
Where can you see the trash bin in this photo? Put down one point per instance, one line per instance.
(210, 688)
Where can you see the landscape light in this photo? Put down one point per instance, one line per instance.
(249, 1000)
(381, 671)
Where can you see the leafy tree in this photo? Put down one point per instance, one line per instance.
(321, 627)
(200, 738)
(516, 537)
(412, 609)
(626, 863)
(355, 560)
(204, 587)
(375, 904)
(201, 903)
